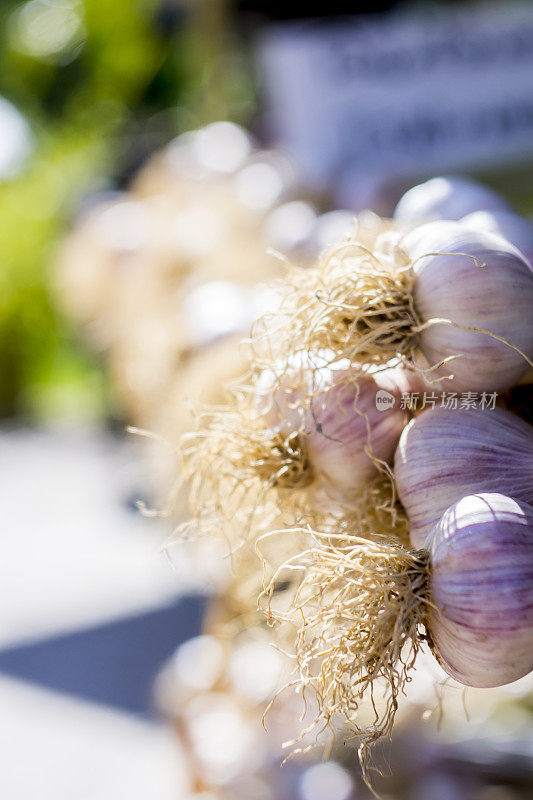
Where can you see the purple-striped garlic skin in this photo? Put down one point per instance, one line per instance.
(516, 229)
(347, 420)
(446, 453)
(348, 427)
(445, 197)
(494, 295)
(481, 589)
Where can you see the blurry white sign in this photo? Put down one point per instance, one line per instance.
(15, 140)
(403, 93)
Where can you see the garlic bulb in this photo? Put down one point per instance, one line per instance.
(351, 424)
(347, 421)
(445, 453)
(281, 393)
(472, 280)
(516, 229)
(446, 198)
(445, 300)
(363, 609)
(481, 587)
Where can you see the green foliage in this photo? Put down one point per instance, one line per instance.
(81, 100)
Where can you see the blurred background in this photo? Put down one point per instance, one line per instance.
(152, 155)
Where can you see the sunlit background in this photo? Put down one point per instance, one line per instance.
(152, 154)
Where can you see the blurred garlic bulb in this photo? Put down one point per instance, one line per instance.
(481, 587)
(214, 310)
(97, 257)
(482, 285)
(264, 180)
(446, 453)
(289, 226)
(446, 197)
(330, 228)
(221, 146)
(516, 229)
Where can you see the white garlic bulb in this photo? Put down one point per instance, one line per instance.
(445, 453)
(480, 618)
(473, 280)
(446, 197)
(504, 222)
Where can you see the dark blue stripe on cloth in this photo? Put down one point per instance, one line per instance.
(114, 663)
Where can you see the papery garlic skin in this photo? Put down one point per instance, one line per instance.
(516, 229)
(445, 453)
(445, 197)
(343, 422)
(345, 429)
(280, 392)
(490, 287)
(480, 619)
(278, 400)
